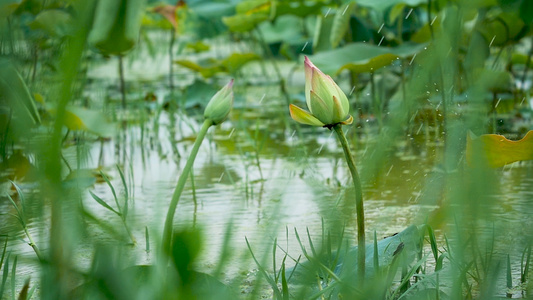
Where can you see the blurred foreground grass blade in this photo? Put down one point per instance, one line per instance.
(23, 295)
(14, 90)
(54, 282)
(13, 277)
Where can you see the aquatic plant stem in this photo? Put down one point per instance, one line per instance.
(360, 212)
(167, 231)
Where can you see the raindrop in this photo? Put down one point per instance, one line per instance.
(419, 128)
(492, 41)
(293, 133)
(231, 133)
(327, 13)
(381, 27)
(262, 98)
(409, 13)
(345, 10)
(382, 38)
(305, 45)
(412, 59)
(497, 103)
(351, 92)
(390, 169)
(523, 99)
(222, 175)
(320, 149)
(432, 21)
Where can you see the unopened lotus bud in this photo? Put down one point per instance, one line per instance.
(220, 105)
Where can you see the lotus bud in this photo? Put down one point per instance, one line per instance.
(220, 104)
(327, 103)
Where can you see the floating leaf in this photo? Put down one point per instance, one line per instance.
(197, 46)
(230, 64)
(249, 14)
(236, 60)
(497, 151)
(284, 29)
(82, 119)
(362, 57)
(382, 5)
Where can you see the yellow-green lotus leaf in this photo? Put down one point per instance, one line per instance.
(496, 151)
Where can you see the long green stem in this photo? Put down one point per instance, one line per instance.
(361, 249)
(167, 232)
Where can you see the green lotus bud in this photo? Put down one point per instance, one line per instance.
(327, 103)
(220, 105)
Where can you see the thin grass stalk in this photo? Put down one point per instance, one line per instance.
(122, 81)
(167, 231)
(361, 250)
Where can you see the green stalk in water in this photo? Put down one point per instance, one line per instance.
(215, 113)
(329, 107)
(359, 207)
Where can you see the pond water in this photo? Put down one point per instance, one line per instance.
(259, 173)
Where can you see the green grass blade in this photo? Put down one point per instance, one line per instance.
(270, 280)
(104, 204)
(4, 275)
(13, 277)
(106, 179)
(147, 235)
(126, 193)
(3, 256)
(509, 276)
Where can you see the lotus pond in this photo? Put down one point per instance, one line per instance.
(200, 150)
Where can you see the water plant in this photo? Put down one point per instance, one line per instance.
(329, 108)
(215, 113)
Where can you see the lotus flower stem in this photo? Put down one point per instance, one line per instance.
(167, 231)
(361, 249)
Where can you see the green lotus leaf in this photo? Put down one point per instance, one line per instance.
(54, 22)
(82, 119)
(362, 57)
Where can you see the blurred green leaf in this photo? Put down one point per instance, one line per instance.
(362, 57)
(341, 22)
(244, 23)
(496, 151)
(116, 25)
(382, 5)
(249, 14)
(230, 64)
(198, 46)
(323, 26)
(526, 11)
(54, 22)
(283, 29)
(15, 93)
(78, 118)
(502, 28)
